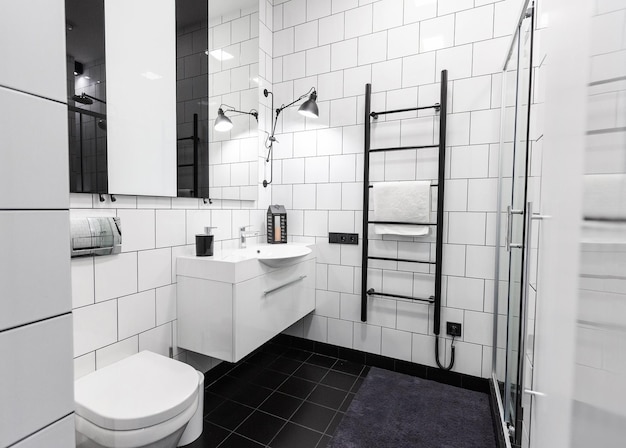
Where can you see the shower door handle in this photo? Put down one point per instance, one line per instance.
(509, 224)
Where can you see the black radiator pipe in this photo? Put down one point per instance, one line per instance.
(440, 196)
(366, 203)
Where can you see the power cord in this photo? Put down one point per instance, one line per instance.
(449, 367)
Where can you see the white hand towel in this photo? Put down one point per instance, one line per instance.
(402, 202)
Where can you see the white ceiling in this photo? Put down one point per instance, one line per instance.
(222, 7)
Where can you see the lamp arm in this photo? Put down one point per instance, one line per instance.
(228, 108)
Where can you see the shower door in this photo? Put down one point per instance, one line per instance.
(511, 273)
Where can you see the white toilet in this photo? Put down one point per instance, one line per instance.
(143, 400)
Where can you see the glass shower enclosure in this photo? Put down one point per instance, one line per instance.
(514, 225)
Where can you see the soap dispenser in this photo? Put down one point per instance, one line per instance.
(204, 243)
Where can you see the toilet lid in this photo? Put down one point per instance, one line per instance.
(142, 390)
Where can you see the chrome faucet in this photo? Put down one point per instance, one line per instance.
(244, 235)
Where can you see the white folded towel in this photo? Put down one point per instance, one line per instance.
(402, 202)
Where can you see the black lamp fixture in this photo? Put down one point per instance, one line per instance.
(309, 109)
(223, 123)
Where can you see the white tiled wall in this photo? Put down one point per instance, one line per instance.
(400, 47)
(127, 302)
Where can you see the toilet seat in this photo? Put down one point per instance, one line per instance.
(138, 392)
(134, 437)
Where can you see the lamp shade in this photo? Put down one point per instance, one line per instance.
(309, 107)
(222, 122)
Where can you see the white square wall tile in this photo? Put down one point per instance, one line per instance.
(343, 112)
(316, 169)
(137, 313)
(154, 268)
(329, 197)
(381, 312)
(341, 278)
(327, 303)
(115, 276)
(387, 75)
(343, 54)
(293, 171)
(484, 62)
(318, 60)
(466, 228)
(83, 287)
(466, 293)
(453, 260)
(437, 33)
(283, 42)
(485, 126)
(388, 14)
(340, 332)
(317, 9)
(474, 25)
(95, 326)
(343, 168)
(478, 328)
(468, 358)
(157, 340)
(450, 6)
(84, 365)
(116, 352)
(457, 60)
(138, 227)
(316, 223)
(329, 141)
(482, 195)
(469, 161)
(315, 328)
(331, 29)
(350, 307)
(418, 69)
(358, 21)
(170, 228)
(372, 48)
(396, 344)
(367, 338)
(472, 94)
(304, 196)
(480, 262)
(331, 84)
(165, 304)
(403, 41)
(294, 13)
(413, 317)
(423, 349)
(343, 5)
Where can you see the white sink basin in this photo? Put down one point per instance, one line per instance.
(277, 255)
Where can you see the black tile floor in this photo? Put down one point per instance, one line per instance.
(279, 397)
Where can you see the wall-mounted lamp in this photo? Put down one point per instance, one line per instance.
(309, 109)
(223, 123)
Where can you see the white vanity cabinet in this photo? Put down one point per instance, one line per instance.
(228, 316)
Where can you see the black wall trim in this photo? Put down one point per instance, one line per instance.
(419, 370)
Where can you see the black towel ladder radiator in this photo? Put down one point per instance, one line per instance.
(440, 107)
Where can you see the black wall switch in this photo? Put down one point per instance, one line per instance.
(343, 238)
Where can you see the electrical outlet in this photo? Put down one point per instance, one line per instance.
(343, 238)
(453, 329)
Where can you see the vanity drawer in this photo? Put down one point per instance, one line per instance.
(265, 306)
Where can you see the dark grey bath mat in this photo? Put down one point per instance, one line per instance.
(392, 410)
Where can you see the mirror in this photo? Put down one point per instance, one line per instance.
(233, 59)
(122, 136)
(192, 98)
(86, 96)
